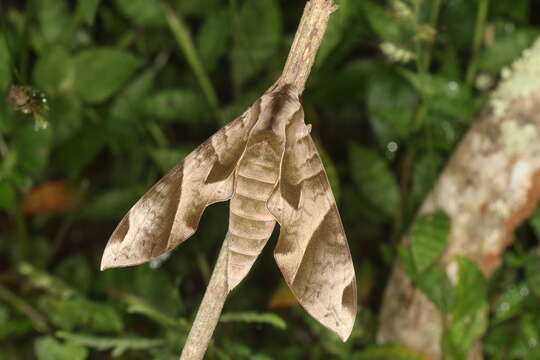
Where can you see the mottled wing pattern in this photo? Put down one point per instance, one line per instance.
(312, 250)
(170, 211)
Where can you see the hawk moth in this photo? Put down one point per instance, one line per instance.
(266, 164)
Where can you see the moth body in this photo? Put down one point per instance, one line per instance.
(257, 174)
(267, 165)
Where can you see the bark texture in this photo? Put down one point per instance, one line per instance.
(490, 185)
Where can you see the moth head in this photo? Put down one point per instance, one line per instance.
(284, 100)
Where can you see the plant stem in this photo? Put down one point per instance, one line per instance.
(297, 68)
(39, 321)
(306, 43)
(433, 21)
(183, 39)
(210, 309)
(477, 41)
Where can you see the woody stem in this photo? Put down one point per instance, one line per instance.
(306, 43)
(297, 68)
(209, 311)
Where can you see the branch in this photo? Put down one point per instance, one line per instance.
(306, 43)
(210, 309)
(301, 57)
(490, 185)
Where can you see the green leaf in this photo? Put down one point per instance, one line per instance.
(155, 287)
(73, 156)
(374, 179)
(426, 171)
(382, 22)
(128, 104)
(66, 112)
(118, 345)
(128, 109)
(407, 260)
(75, 271)
(257, 38)
(198, 7)
(436, 285)
(388, 352)
(506, 49)
(33, 147)
(139, 306)
(54, 71)
(102, 71)
(88, 10)
(429, 235)
(85, 314)
(45, 281)
(335, 31)
(253, 317)
(8, 197)
(12, 325)
(54, 18)
(469, 319)
(47, 348)
(213, 38)
(111, 204)
(447, 97)
(143, 12)
(470, 291)
(463, 333)
(178, 104)
(391, 103)
(5, 61)
(510, 303)
(532, 273)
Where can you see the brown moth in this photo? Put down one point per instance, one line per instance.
(266, 164)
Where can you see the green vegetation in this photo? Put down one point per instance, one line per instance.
(132, 86)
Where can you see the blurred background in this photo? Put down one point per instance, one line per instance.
(111, 94)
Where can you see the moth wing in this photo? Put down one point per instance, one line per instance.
(170, 211)
(312, 250)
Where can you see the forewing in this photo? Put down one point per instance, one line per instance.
(170, 211)
(312, 250)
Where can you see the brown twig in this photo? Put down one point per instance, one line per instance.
(306, 43)
(297, 68)
(209, 311)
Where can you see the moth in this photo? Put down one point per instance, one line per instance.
(266, 164)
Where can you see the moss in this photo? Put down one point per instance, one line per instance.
(522, 79)
(517, 137)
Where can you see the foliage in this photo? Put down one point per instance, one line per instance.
(133, 86)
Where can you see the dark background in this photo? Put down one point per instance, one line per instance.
(395, 86)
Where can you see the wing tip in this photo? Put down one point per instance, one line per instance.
(107, 260)
(116, 256)
(108, 263)
(344, 332)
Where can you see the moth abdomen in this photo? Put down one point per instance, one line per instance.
(250, 227)
(250, 222)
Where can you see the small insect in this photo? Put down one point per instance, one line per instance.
(30, 101)
(266, 164)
